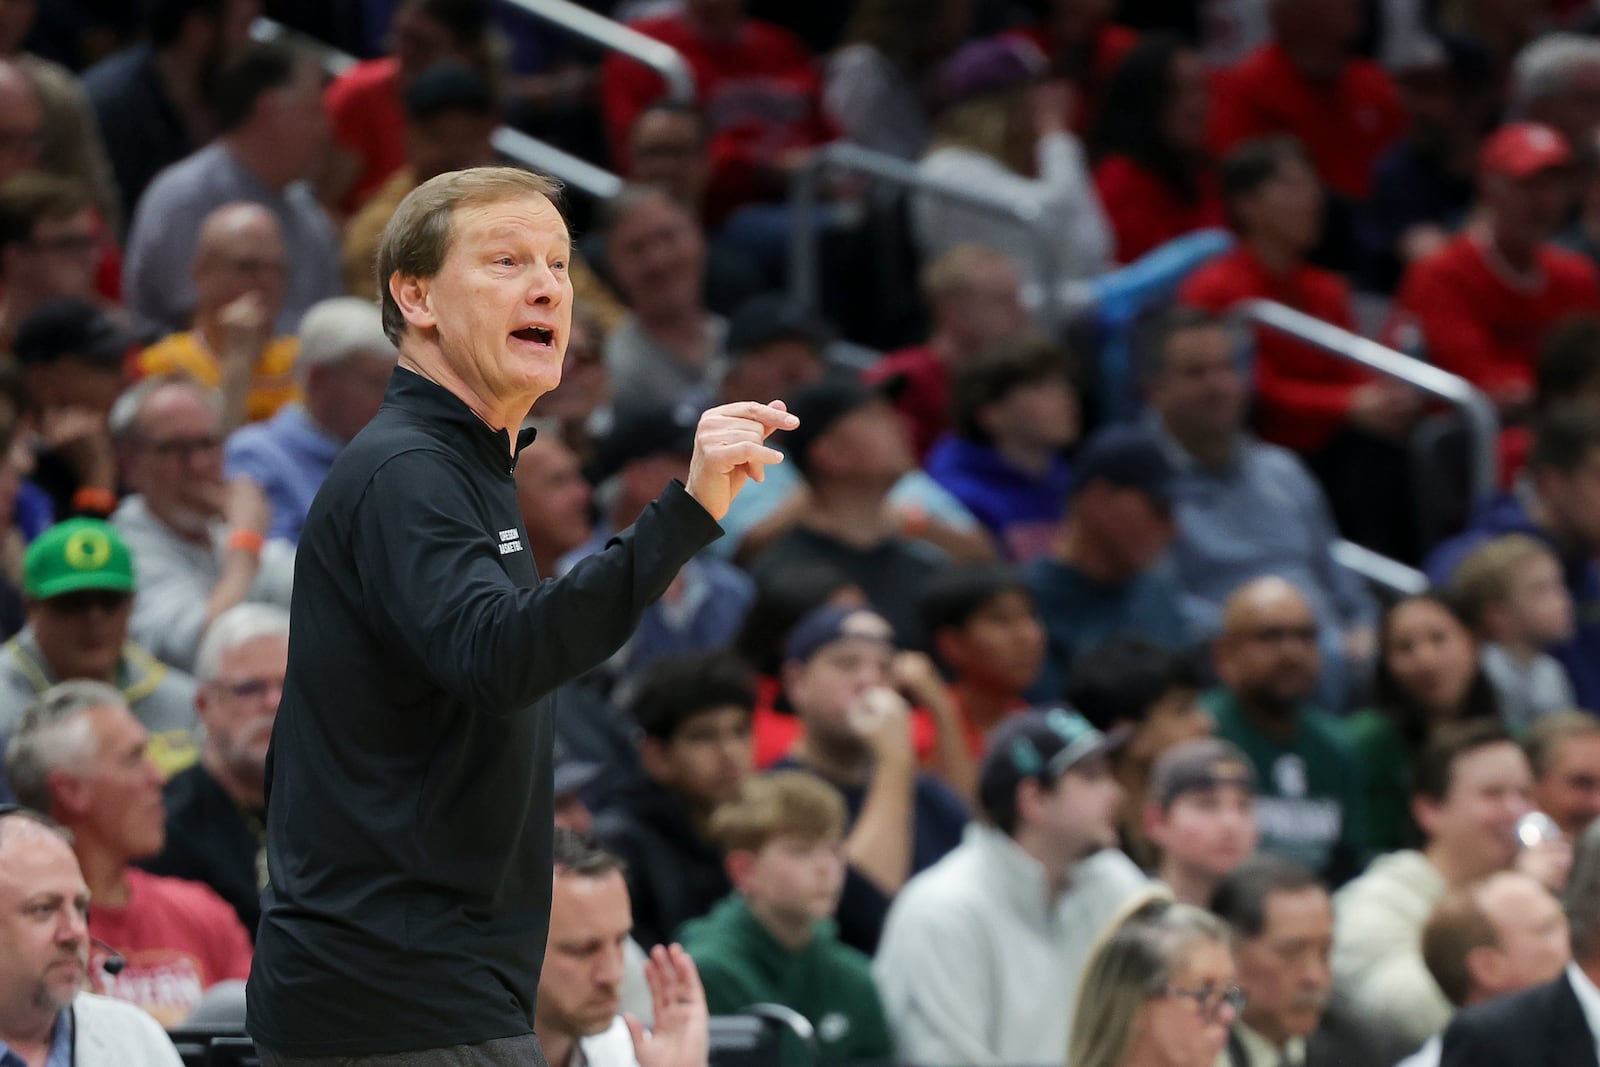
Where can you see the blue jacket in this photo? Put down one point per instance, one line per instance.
(1019, 509)
(1507, 515)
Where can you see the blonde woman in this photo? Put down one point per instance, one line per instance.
(1159, 992)
(1005, 130)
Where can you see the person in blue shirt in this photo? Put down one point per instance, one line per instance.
(1015, 412)
(1104, 576)
(1245, 508)
(344, 366)
(1557, 501)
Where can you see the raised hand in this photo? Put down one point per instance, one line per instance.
(681, 1036)
(730, 449)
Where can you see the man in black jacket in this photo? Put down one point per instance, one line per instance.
(694, 744)
(409, 782)
(1554, 1023)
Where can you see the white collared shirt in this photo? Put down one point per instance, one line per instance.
(1588, 1000)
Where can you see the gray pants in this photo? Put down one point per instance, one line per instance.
(521, 1051)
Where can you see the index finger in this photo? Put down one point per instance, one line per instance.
(774, 416)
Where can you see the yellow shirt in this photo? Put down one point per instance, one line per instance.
(272, 383)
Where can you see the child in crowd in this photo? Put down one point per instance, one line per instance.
(772, 941)
(1512, 591)
(1201, 813)
(984, 631)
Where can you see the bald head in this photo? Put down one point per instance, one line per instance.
(1268, 650)
(1531, 943)
(21, 122)
(239, 251)
(1269, 597)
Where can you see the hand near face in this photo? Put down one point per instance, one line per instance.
(730, 449)
(681, 1034)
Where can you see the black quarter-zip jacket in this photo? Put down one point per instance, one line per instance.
(409, 807)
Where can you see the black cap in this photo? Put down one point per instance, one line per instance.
(1203, 763)
(820, 405)
(770, 318)
(448, 86)
(1041, 744)
(72, 327)
(641, 432)
(1129, 457)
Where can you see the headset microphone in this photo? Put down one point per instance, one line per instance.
(112, 964)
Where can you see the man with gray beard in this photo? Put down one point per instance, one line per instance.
(44, 961)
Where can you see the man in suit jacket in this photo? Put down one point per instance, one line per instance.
(1554, 1023)
(1282, 922)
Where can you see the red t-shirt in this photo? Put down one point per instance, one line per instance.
(775, 733)
(1345, 127)
(363, 106)
(1146, 212)
(760, 92)
(179, 939)
(1484, 326)
(1302, 393)
(1112, 44)
(924, 398)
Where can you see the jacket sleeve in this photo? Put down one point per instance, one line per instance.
(434, 576)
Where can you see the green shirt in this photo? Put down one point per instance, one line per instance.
(1309, 788)
(828, 982)
(1386, 763)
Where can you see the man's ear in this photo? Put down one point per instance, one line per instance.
(738, 864)
(1486, 966)
(69, 794)
(653, 758)
(1426, 813)
(1155, 825)
(413, 295)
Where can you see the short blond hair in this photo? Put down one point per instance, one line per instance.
(781, 804)
(417, 238)
(952, 271)
(1485, 577)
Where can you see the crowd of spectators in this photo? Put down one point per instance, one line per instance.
(1012, 720)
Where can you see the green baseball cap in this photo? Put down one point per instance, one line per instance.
(76, 555)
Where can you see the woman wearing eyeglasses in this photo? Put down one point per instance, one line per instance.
(1160, 992)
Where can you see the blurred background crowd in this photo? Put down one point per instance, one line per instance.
(1197, 491)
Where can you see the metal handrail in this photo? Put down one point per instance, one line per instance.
(1482, 424)
(843, 156)
(614, 36)
(1379, 569)
(511, 143)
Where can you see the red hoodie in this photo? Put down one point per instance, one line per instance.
(760, 92)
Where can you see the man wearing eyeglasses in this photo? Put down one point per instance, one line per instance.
(78, 584)
(1309, 784)
(199, 540)
(216, 829)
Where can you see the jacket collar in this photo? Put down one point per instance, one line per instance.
(453, 420)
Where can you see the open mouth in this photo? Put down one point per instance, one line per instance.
(539, 335)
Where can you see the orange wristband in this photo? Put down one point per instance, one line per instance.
(246, 541)
(94, 499)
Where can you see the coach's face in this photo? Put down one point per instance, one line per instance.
(501, 303)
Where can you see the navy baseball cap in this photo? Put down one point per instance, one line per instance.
(1041, 744)
(820, 405)
(770, 318)
(834, 622)
(1129, 457)
(641, 432)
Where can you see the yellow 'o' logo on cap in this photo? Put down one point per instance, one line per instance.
(88, 550)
